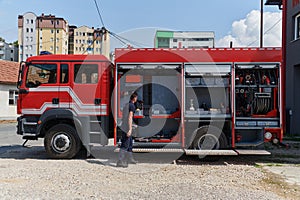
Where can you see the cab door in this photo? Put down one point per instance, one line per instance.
(40, 88)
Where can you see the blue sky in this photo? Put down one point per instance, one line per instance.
(121, 16)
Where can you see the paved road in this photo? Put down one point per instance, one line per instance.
(9, 140)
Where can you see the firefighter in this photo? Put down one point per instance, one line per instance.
(125, 154)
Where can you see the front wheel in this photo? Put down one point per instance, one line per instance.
(62, 142)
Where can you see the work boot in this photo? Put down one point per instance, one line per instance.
(131, 159)
(122, 162)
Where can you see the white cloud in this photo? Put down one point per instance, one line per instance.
(245, 32)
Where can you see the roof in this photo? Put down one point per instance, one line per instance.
(72, 57)
(9, 72)
(198, 55)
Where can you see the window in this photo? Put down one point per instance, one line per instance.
(41, 74)
(52, 22)
(83, 41)
(297, 27)
(76, 48)
(52, 31)
(11, 51)
(76, 33)
(27, 21)
(27, 39)
(27, 30)
(51, 48)
(80, 41)
(51, 40)
(57, 39)
(174, 40)
(64, 73)
(31, 30)
(57, 31)
(57, 48)
(13, 97)
(31, 39)
(86, 73)
(26, 47)
(83, 33)
(57, 22)
(32, 21)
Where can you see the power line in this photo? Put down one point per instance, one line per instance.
(134, 43)
(98, 10)
(267, 31)
(118, 37)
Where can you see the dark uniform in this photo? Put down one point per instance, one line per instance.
(126, 142)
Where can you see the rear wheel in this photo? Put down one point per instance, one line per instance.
(209, 138)
(61, 141)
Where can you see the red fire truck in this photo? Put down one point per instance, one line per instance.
(194, 101)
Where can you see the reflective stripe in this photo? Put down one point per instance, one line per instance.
(76, 104)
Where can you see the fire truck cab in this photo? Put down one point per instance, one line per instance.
(66, 100)
(192, 101)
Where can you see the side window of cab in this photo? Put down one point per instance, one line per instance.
(39, 74)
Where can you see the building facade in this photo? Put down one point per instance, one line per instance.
(91, 41)
(41, 33)
(184, 39)
(8, 90)
(8, 52)
(27, 35)
(291, 61)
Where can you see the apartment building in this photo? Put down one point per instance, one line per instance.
(184, 39)
(90, 41)
(52, 34)
(41, 33)
(8, 52)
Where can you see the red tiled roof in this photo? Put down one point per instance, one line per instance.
(9, 72)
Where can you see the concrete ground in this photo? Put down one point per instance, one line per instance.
(284, 162)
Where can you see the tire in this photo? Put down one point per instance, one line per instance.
(209, 138)
(62, 142)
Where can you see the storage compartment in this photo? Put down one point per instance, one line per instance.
(207, 90)
(249, 137)
(159, 89)
(257, 90)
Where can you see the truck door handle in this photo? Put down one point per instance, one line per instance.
(23, 91)
(55, 101)
(97, 101)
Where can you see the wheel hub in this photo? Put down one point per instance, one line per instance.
(61, 142)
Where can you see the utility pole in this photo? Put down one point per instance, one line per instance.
(261, 23)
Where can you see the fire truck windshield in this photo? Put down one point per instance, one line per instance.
(38, 74)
